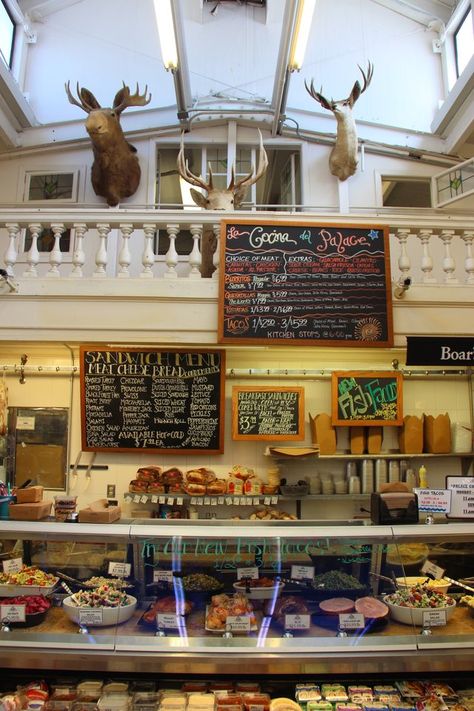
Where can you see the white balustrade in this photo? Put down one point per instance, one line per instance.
(404, 263)
(33, 256)
(124, 257)
(55, 256)
(11, 253)
(426, 260)
(101, 255)
(78, 256)
(148, 257)
(449, 265)
(468, 237)
(171, 257)
(195, 256)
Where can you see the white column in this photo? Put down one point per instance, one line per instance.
(195, 256)
(171, 257)
(468, 237)
(124, 257)
(148, 257)
(216, 256)
(101, 255)
(32, 257)
(404, 263)
(449, 265)
(426, 260)
(78, 256)
(55, 256)
(11, 253)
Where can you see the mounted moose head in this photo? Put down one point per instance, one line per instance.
(343, 158)
(217, 198)
(116, 170)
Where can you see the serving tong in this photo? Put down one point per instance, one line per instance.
(81, 584)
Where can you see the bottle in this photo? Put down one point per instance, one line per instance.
(393, 471)
(410, 479)
(422, 478)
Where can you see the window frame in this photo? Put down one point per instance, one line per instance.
(77, 191)
(380, 178)
(9, 60)
(456, 31)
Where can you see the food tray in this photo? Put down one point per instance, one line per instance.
(253, 628)
(15, 590)
(294, 490)
(259, 593)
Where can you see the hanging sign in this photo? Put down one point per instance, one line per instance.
(367, 398)
(440, 350)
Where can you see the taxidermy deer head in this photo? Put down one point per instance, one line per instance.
(343, 158)
(116, 170)
(217, 198)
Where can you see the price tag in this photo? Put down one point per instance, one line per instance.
(302, 572)
(434, 500)
(120, 570)
(220, 500)
(154, 499)
(163, 576)
(243, 501)
(251, 573)
(434, 618)
(351, 621)
(170, 501)
(267, 500)
(193, 500)
(238, 623)
(90, 617)
(12, 613)
(136, 499)
(167, 621)
(14, 565)
(144, 499)
(274, 499)
(432, 569)
(199, 501)
(256, 501)
(236, 501)
(213, 501)
(297, 622)
(127, 497)
(162, 500)
(179, 501)
(207, 501)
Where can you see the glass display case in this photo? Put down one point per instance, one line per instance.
(210, 596)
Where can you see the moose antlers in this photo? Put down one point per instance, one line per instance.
(123, 98)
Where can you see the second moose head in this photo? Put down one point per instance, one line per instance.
(116, 170)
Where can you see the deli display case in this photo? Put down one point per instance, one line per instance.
(210, 596)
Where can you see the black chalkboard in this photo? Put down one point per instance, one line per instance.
(367, 398)
(140, 399)
(305, 283)
(267, 413)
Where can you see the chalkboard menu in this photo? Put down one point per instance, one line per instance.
(267, 413)
(305, 283)
(367, 398)
(140, 399)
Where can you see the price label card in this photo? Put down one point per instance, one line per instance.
(162, 500)
(127, 497)
(120, 570)
(154, 499)
(179, 501)
(170, 501)
(302, 572)
(167, 621)
(163, 576)
(236, 501)
(351, 621)
(297, 622)
(136, 499)
(267, 500)
(220, 500)
(207, 501)
(274, 499)
(213, 501)
(14, 565)
(434, 500)
(238, 623)
(193, 500)
(243, 501)
(12, 613)
(90, 617)
(256, 501)
(250, 572)
(144, 499)
(434, 618)
(432, 569)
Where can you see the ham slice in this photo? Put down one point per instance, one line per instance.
(337, 605)
(371, 608)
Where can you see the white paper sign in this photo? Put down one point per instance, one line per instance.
(251, 573)
(162, 500)
(462, 496)
(12, 613)
(144, 499)
(238, 623)
(297, 622)
(154, 499)
(14, 565)
(165, 576)
(434, 618)
(136, 499)
(120, 570)
(274, 499)
(267, 500)
(220, 500)
(302, 572)
(25, 423)
(434, 500)
(179, 501)
(432, 569)
(351, 621)
(167, 621)
(90, 617)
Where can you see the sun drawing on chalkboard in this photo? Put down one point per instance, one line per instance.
(368, 329)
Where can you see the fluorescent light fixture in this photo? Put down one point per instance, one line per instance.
(301, 34)
(166, 32)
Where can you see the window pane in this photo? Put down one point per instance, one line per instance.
(7, 33)
(464, 42)
(50, 186)
(399, 192)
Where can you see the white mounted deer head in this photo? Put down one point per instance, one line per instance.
(218, 198)
(343, 158)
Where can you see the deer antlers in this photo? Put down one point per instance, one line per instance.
(357, 90)
(87, 101)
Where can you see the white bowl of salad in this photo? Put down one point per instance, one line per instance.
(102, 607)
(409, 605)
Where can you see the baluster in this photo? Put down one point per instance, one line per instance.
(404, 263)
(148, 257)
(468, 237)
(55, 256)
(171, 257)
(101, 256)
(449, 265)
(216, 256)
(11, 253)
(124, 257)
(426, 261)
(78, 256)
(33, 256)
(195, 256)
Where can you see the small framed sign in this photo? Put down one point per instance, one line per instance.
(267, 413)
(367, 398)
(462, 496)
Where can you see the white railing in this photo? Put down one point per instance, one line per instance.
(431, 248)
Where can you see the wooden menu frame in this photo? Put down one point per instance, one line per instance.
(248, 425)
(367, 398)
